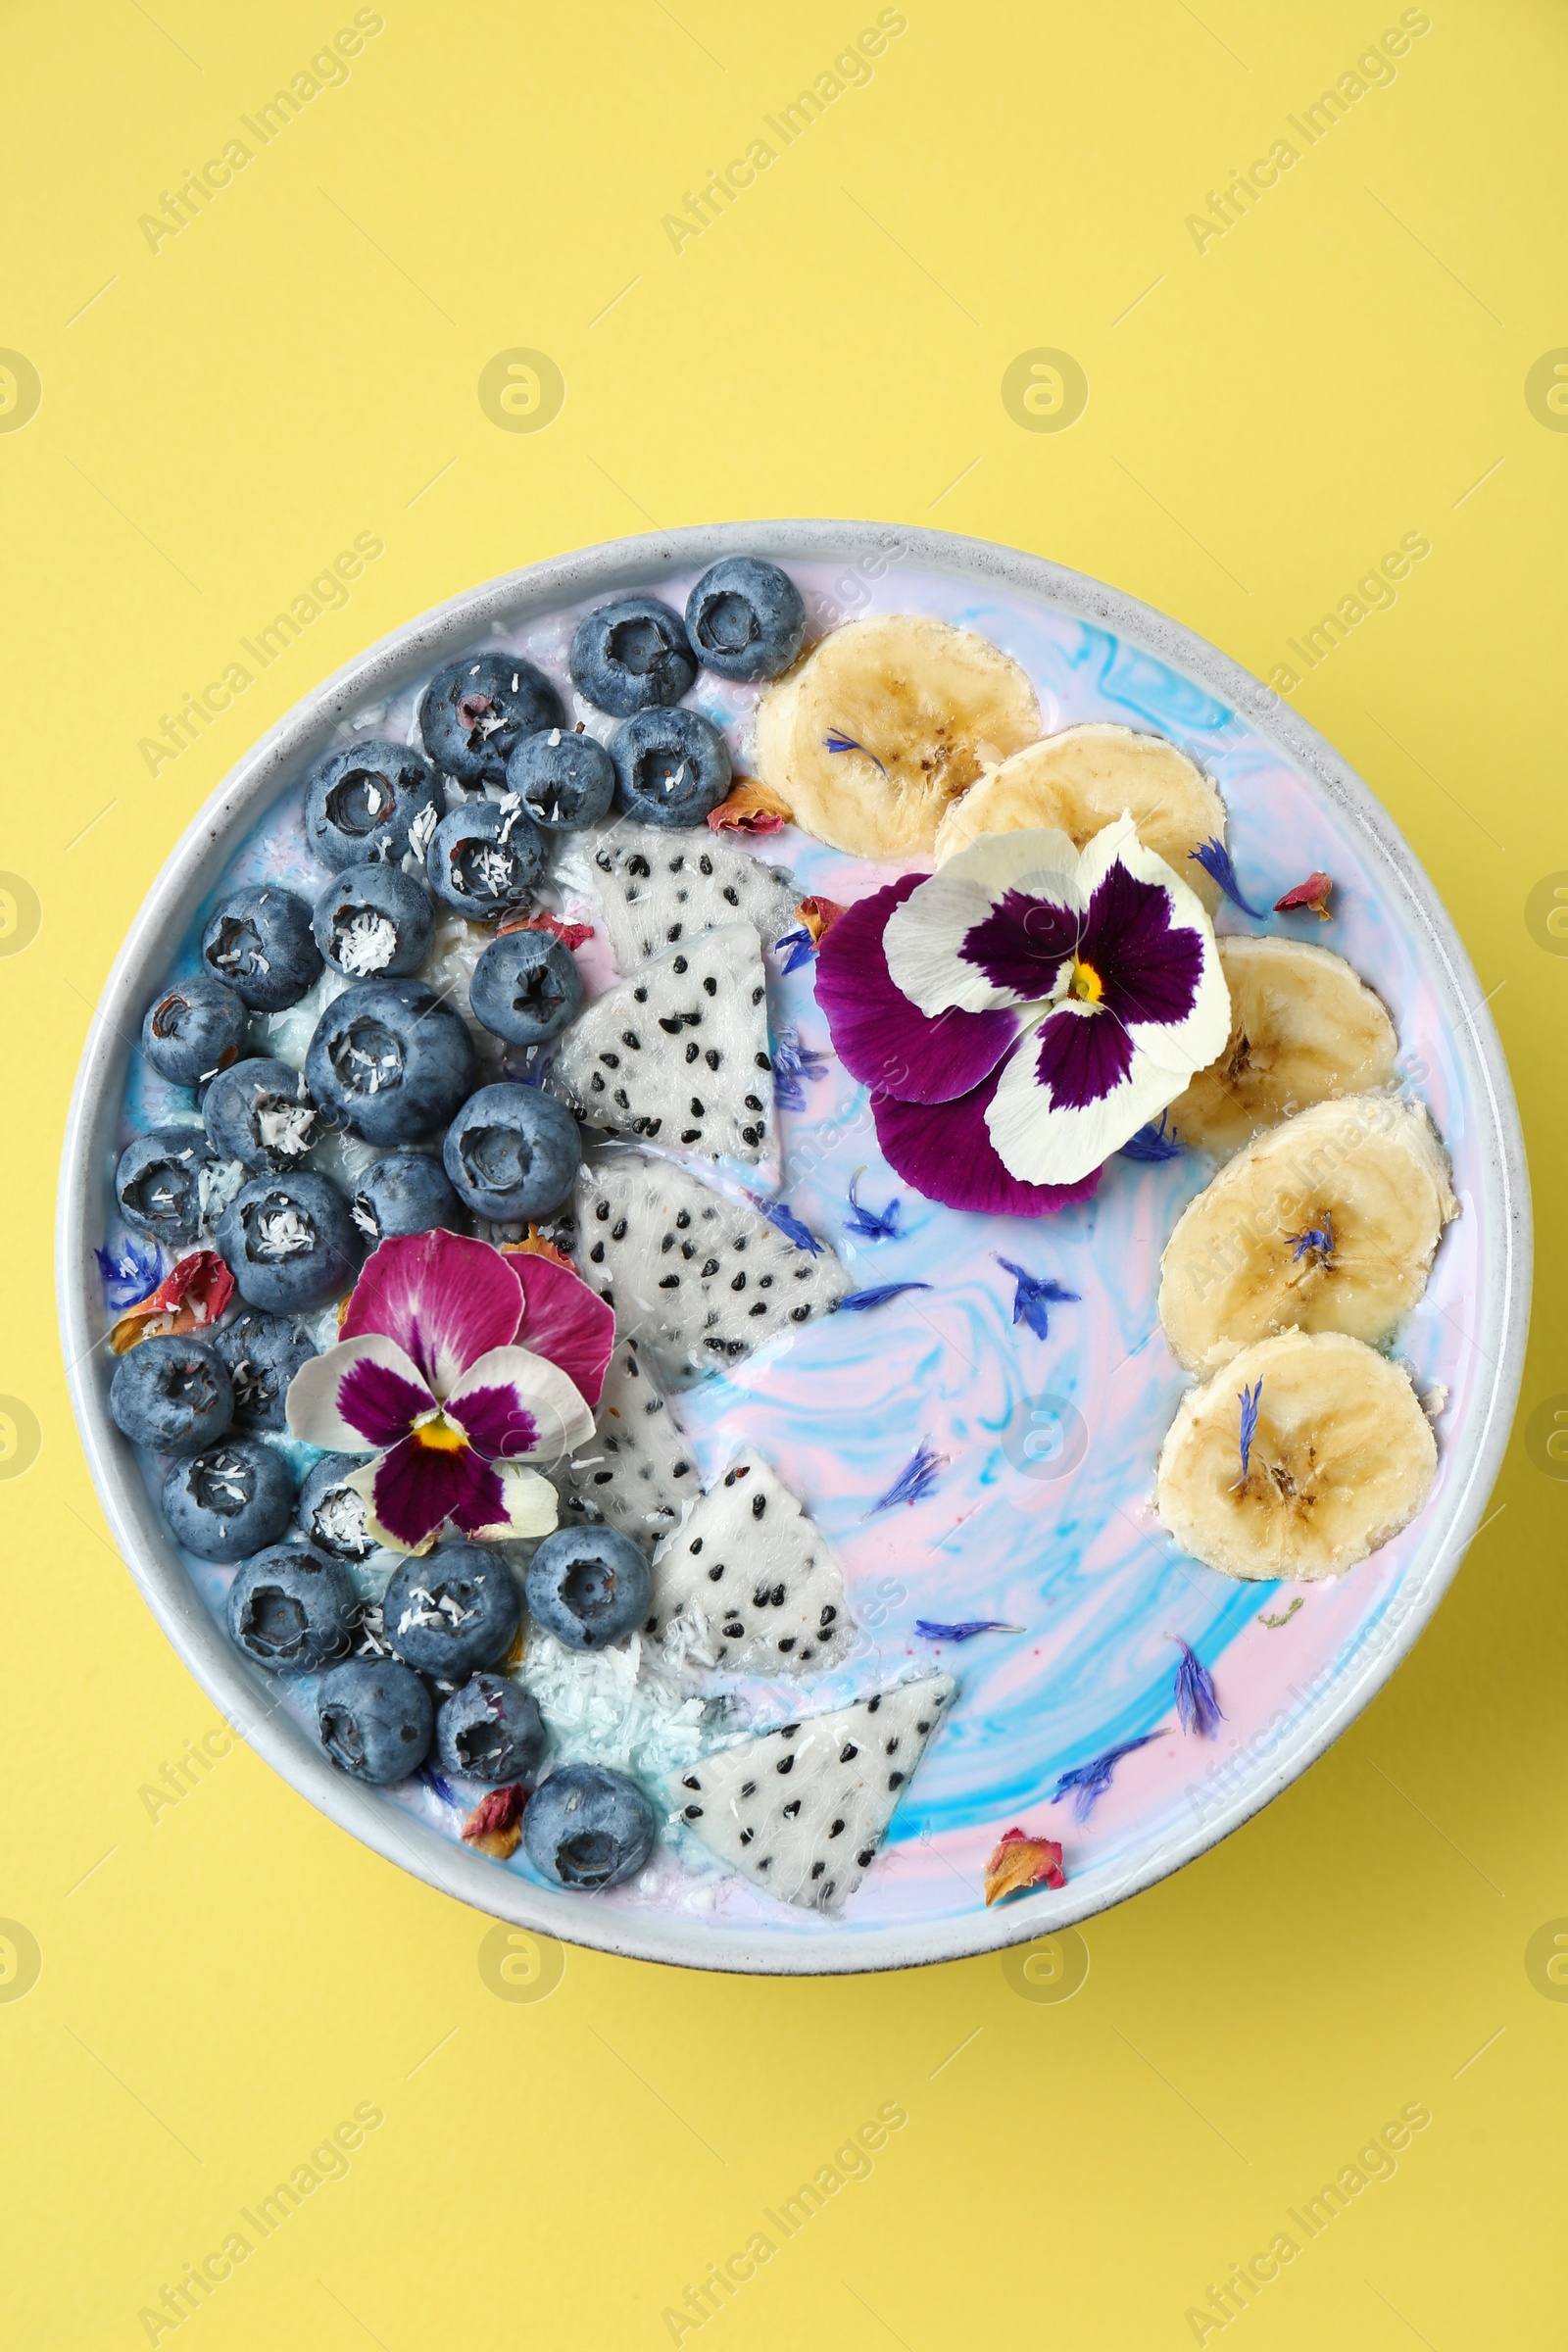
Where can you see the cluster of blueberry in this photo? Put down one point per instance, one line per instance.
(392, 1063)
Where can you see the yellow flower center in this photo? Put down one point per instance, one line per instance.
(1085, 983)
(440, 1435)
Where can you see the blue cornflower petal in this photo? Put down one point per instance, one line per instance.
(1215, 859)
(1196, 1707)
(434, 1782)
(1089, 1782)
(777, 1212)
(929, 1630)
(1152, 1143)
(835, 740)
(1034, 1296)
(793, 1062)
(1316, 1237)
(1247, 1399)
(872, 1224)
(916, 1480)
(856, 1303)
(801, 946)
(129, 1271)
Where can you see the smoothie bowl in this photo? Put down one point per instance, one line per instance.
(793, 1248)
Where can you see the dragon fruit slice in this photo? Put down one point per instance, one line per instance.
(748, 1582)
(679, 1052)
(696, 1276)
(802, 1811)
(634, 1473)
(653, 888)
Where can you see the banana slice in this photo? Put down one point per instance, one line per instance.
(1327, 1223)
(922, 707)
(1083, 779)
(1341, 1457)
(1304, 1027)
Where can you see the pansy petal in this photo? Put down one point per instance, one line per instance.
(513, 1402)
(516, 1499)
(360, 1397)
(992, 928)
(1080, 1055)
(445, 1299)
(1155, 937)
(1046, 1138)
(946, 1151)
(878, 1033)
(565, 1320)
(412, 1490)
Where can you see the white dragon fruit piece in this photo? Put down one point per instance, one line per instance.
(679, 1054)
(655, 888)
(635, 1472)
(801, 1811)
(700, 1277)
(748, 1583)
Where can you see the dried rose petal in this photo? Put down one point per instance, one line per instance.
(190, 1298)
(1019, 1861)
(749, 808)
(537, 1246)
(1313, 893)
(570, 935)
(818, 916)
(495, 1826)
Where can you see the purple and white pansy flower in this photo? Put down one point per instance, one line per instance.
(429, 1380)
(1024, 1011)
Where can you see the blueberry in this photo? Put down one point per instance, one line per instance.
(292, 1609)
(331, 1512)
(260, 942)
(173, 1394)
(406, 1193)
(262, 1353)
(473, 713)
(235, 1499)
(390, 1061)
(454, 1609)
(588, 1827)
(375, 919)
(158, 1183)
(483, 859)
(194, 1028)
(744, 618)
(289, 1243)
(527, 987)
(491, 1730)
(631, 654)
(360, 800)
(671, 767)
(588, 1586)
(512, 1154)
(563, 780)
(374, 1718)
(259, 1112)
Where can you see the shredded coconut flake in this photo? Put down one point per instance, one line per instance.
(366, 944)
(285, 1127)
(617, 1706)
(282, 1233)
(216, 1185)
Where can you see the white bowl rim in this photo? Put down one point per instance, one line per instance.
(243, 1694)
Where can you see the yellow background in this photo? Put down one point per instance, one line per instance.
(223, 1984)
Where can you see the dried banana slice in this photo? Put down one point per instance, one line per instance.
(1082, 780)
(884, 724)
(1304, 1027)
(1338, 1458)
(1327, 1223)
